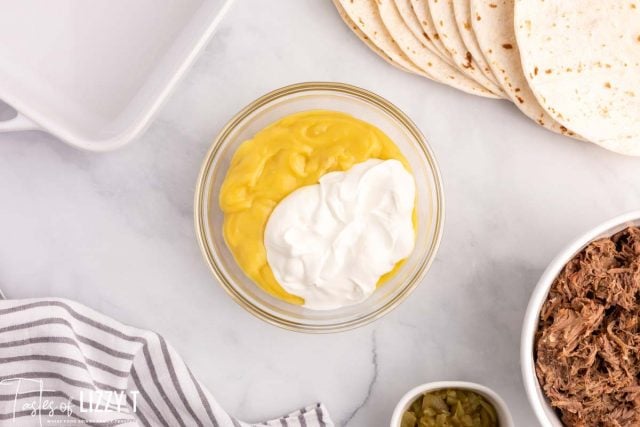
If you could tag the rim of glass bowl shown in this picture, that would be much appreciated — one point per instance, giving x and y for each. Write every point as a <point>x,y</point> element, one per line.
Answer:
<point>201,199</point>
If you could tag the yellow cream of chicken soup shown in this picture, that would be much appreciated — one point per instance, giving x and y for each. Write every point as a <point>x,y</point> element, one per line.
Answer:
<point>295,152</point>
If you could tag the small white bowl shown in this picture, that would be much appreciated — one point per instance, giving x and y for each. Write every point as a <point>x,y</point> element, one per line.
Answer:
<point>504,416</point>
<point>543,410</point>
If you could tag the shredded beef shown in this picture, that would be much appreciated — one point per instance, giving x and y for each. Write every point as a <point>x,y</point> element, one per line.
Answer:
<point>588,341</point>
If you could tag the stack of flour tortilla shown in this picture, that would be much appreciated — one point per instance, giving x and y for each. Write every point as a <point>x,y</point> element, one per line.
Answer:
<point>572,66</point>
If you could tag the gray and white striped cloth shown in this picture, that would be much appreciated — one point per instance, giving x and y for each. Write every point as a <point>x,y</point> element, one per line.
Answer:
<point>62,363</point>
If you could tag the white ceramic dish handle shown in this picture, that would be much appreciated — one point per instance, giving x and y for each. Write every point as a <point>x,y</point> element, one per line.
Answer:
<point>17,124</point>
<point>21,123</point>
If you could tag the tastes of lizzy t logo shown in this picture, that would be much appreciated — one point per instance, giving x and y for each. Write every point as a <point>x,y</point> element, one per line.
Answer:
<point>29,397</point>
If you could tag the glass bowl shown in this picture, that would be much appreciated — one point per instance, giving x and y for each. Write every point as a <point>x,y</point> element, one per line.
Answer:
<point>270,108</point>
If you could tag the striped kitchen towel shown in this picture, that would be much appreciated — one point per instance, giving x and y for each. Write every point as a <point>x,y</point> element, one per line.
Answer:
<point>62,363</point>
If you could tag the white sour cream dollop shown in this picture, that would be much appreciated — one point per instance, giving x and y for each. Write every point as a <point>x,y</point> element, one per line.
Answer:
<point>330,243</point>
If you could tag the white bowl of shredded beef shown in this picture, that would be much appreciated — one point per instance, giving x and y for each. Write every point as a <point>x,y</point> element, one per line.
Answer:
<point>580,349</point>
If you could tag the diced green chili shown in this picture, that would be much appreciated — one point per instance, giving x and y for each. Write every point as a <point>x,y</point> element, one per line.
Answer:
<point>450,408</point>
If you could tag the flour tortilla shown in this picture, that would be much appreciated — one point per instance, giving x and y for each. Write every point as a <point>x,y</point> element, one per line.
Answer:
<point>411,21</point>
<point>371,30</point>
<point>421,9</point>
<point>420,55</point>
<point>491,21</point>
<point>362,36</point>
<point>462,13</point>
<point>581,59</point>
<point>365,16</point>
<point>444,19</point>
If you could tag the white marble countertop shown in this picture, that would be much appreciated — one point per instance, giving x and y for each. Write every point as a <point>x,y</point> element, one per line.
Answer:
<point>115,231</point>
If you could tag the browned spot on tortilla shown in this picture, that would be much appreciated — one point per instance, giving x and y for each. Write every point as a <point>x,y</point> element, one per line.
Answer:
<point>478,17</point>
<point>517,89</point>
<point>563,129</point>
<point>507,46</point>
<point>436,36</point>
<point>426,36</point>
<point>548,71</point>
<point>520,100</point>
<point>467,25</point>
<point>535,71</point>
<point>607,85</point>
<point>469,59</point>
<point>493,5</point>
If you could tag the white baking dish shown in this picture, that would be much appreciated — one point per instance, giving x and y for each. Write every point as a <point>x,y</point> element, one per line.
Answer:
<point>93,73</point>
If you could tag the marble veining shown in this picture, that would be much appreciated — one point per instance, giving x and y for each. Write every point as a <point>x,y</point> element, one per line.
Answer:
<point>372,381</point>
<point>115,231</point>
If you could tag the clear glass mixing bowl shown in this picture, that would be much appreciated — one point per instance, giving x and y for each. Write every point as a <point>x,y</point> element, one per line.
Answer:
<point>272,107</point>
